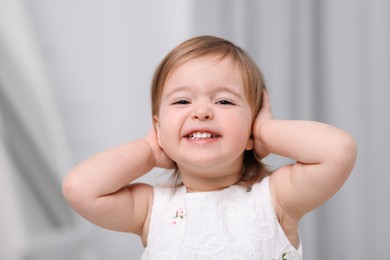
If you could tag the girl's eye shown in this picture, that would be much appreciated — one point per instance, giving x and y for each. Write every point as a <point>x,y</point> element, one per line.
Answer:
<point>181,102</point>
<point>224,102</point>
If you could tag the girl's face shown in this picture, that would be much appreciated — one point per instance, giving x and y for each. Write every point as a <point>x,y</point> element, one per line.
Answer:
<point>205,121</point>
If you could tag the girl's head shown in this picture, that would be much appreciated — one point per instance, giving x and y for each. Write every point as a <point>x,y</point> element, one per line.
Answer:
<point>214,47</point>
<point>203,46</point>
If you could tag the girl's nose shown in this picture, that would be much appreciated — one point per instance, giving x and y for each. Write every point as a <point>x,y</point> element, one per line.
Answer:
<point>202,112</point>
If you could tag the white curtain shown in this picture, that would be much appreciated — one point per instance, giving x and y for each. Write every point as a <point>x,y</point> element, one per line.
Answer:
<point>35,221</point>
<point>327,61</point>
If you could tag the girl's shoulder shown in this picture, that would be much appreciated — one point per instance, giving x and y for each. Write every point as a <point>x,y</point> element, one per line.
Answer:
<point>163,194</point>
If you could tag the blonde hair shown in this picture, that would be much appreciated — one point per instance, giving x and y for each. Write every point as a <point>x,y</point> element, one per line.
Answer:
<point>202,46</point>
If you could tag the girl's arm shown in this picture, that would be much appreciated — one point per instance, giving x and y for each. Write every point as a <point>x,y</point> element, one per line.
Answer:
<point>98,187</point>
<point>325,157</point>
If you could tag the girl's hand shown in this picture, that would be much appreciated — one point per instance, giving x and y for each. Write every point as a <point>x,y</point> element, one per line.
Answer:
<point>263,116</point>
<point>160,158</point>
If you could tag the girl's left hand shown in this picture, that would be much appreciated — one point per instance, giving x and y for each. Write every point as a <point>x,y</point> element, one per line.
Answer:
<point>263,116</point>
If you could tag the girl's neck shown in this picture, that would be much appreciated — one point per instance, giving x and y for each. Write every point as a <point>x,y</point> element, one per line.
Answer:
<point>202,183</point>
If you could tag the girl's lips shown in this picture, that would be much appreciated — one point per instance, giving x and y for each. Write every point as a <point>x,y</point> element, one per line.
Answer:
<point>201,135</point>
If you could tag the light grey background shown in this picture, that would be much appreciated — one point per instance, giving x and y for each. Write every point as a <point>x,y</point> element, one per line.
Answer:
<point>74,80</point>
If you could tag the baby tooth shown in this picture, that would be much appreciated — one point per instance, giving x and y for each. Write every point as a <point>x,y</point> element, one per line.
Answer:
<point>200,135</point>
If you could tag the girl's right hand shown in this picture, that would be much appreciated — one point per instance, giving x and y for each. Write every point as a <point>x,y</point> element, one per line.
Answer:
<point>161,159</point>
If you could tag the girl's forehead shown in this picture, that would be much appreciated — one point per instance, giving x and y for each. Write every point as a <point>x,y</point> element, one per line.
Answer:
<point>221,66</point>
<point>208,72</point>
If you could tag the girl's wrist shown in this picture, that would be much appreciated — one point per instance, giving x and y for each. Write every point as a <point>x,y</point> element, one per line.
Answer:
<point>260,147</point>
<point>151,156</point>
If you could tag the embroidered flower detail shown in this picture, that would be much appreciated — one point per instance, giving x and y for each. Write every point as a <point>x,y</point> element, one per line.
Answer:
<point>284,257</point>
<point>179,215</point>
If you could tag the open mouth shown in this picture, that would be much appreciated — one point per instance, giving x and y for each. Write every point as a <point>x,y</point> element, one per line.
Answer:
<point>201,135</point>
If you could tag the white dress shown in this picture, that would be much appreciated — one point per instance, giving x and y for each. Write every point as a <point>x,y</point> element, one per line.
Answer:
<point>234,223</point>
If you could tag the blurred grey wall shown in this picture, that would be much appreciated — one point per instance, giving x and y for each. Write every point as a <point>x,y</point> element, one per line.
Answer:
<point>74,80</point>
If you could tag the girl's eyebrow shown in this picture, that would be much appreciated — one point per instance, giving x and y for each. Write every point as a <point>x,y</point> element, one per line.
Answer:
<point>177,89</point>
<point>217,89</point>
<point>230,90</point>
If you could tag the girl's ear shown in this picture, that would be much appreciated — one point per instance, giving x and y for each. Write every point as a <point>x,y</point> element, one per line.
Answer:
<point>249,145</point>
<point>156,125</point>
